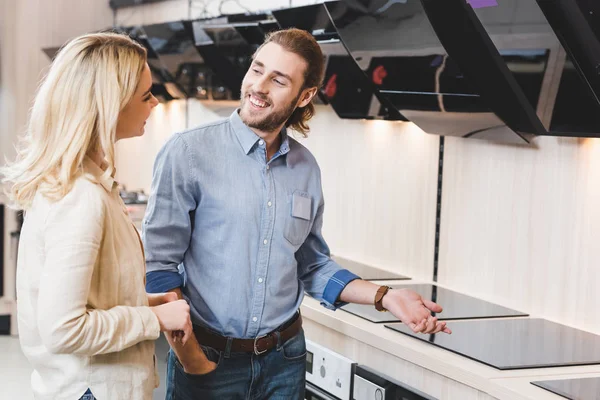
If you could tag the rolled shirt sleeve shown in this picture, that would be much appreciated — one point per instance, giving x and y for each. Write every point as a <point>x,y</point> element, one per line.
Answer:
<point>322,277</point>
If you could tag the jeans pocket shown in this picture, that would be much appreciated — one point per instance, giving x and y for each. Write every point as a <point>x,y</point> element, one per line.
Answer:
<point>295,348</point>
<point>211,354</point>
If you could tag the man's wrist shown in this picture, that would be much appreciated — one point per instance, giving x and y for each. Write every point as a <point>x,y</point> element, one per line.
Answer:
<point>196,363</point>
<point>387,298</point>
<point>380,297</point>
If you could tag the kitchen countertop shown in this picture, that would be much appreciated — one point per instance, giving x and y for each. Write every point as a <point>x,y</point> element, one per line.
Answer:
<point>505,385</point>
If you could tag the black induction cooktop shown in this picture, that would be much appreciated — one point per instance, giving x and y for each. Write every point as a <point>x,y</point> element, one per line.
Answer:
<point>573,389</point>
<point>456,306</point>
<point>515,343</point>
<point>366,272</point>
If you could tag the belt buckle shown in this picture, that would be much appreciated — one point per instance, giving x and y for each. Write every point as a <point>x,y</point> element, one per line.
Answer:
<point>256,339</point>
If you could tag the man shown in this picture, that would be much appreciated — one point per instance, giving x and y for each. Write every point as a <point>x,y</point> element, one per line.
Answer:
<point>239,205</point>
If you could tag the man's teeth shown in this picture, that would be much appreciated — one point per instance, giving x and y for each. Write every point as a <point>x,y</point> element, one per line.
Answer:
<point>257,102</point>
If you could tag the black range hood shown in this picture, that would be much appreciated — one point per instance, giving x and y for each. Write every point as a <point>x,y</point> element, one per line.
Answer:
<point>568,31</point>
<point>159,90</point>
<point>576,110</point>
<point>435,63</point>
<point>162,87</point>
<point>345,87</point>
<point>175,60</point>
<point>577,25</point>
<point>202,59</point>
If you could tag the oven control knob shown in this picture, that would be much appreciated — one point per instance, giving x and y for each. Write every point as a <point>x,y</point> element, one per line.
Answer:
<point>378,394</point>
<point>323,371</point>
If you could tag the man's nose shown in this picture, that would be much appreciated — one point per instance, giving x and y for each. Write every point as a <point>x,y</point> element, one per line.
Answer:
<point>261,85</point>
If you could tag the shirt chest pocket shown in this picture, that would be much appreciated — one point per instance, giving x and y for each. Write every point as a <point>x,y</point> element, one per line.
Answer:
<point>298,218</point>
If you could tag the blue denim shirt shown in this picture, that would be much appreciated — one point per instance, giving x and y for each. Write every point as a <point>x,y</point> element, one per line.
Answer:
<point>246,232</point>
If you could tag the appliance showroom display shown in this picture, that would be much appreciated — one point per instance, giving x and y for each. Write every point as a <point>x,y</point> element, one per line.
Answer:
<point>515,343</point>
<point>573,389</point>
<point>456,306</point>
<point>331,376</point>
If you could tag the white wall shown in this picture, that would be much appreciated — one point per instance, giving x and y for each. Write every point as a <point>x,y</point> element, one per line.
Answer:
<point>521,225</point>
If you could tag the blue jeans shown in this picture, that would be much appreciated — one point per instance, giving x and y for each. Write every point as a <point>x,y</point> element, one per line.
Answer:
<point>88,395</point>
<point>279,374</point>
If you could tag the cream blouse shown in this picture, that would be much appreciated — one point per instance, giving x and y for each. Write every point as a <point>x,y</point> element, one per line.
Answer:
<point>84,320</point>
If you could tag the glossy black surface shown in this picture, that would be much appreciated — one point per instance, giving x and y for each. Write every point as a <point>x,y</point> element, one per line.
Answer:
<point>456,306</point>
<point>457,86</point>
<point>575,23</point>
<point>575,109</point>
<point>402,27</point>
<point>515,343</point>
<point>346,88</point>
<point>367,272</point>
<point>176,59</point>
<point>254,32</point>
<point>573,389</point>
<point>159,74</point>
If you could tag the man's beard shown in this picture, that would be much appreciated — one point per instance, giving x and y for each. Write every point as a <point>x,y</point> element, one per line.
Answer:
<point>273,120</point>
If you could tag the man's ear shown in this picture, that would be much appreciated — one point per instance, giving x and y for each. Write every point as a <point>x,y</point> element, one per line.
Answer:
<point>307,95</point>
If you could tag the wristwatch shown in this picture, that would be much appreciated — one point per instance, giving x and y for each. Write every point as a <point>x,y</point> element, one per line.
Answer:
<point>379,298</point>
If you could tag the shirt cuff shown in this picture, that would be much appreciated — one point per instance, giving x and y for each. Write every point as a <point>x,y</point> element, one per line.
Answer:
<point>162,281</point>
<point>334,288</point>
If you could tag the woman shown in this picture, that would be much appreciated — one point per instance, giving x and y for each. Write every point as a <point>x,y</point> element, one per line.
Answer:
<point>86,323</point>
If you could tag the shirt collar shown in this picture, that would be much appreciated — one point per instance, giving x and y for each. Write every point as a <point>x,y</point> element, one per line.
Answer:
<point>248,138</point>
<point>101,176</point>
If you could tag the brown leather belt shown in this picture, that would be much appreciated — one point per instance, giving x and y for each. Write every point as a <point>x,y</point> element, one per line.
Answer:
<point>258,345</point>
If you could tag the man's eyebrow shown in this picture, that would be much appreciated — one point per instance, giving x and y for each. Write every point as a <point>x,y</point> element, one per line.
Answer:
<point>279,73</point>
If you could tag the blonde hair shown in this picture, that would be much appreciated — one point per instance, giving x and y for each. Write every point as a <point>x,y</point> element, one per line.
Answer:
<point>75,112</point>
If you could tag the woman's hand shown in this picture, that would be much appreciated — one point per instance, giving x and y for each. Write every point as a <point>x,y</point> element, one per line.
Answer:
<point>174,316</point>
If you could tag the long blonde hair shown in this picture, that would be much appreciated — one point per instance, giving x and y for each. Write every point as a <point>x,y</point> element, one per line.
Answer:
<point>75,112</point>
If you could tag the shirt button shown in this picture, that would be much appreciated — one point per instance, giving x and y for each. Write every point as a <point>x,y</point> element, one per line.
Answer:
<point>265,241</point>
<point>261,142</point>
<point>260,280</point>
<point>254,319</point>
<point>269,204</point>
<point>268,167</point>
